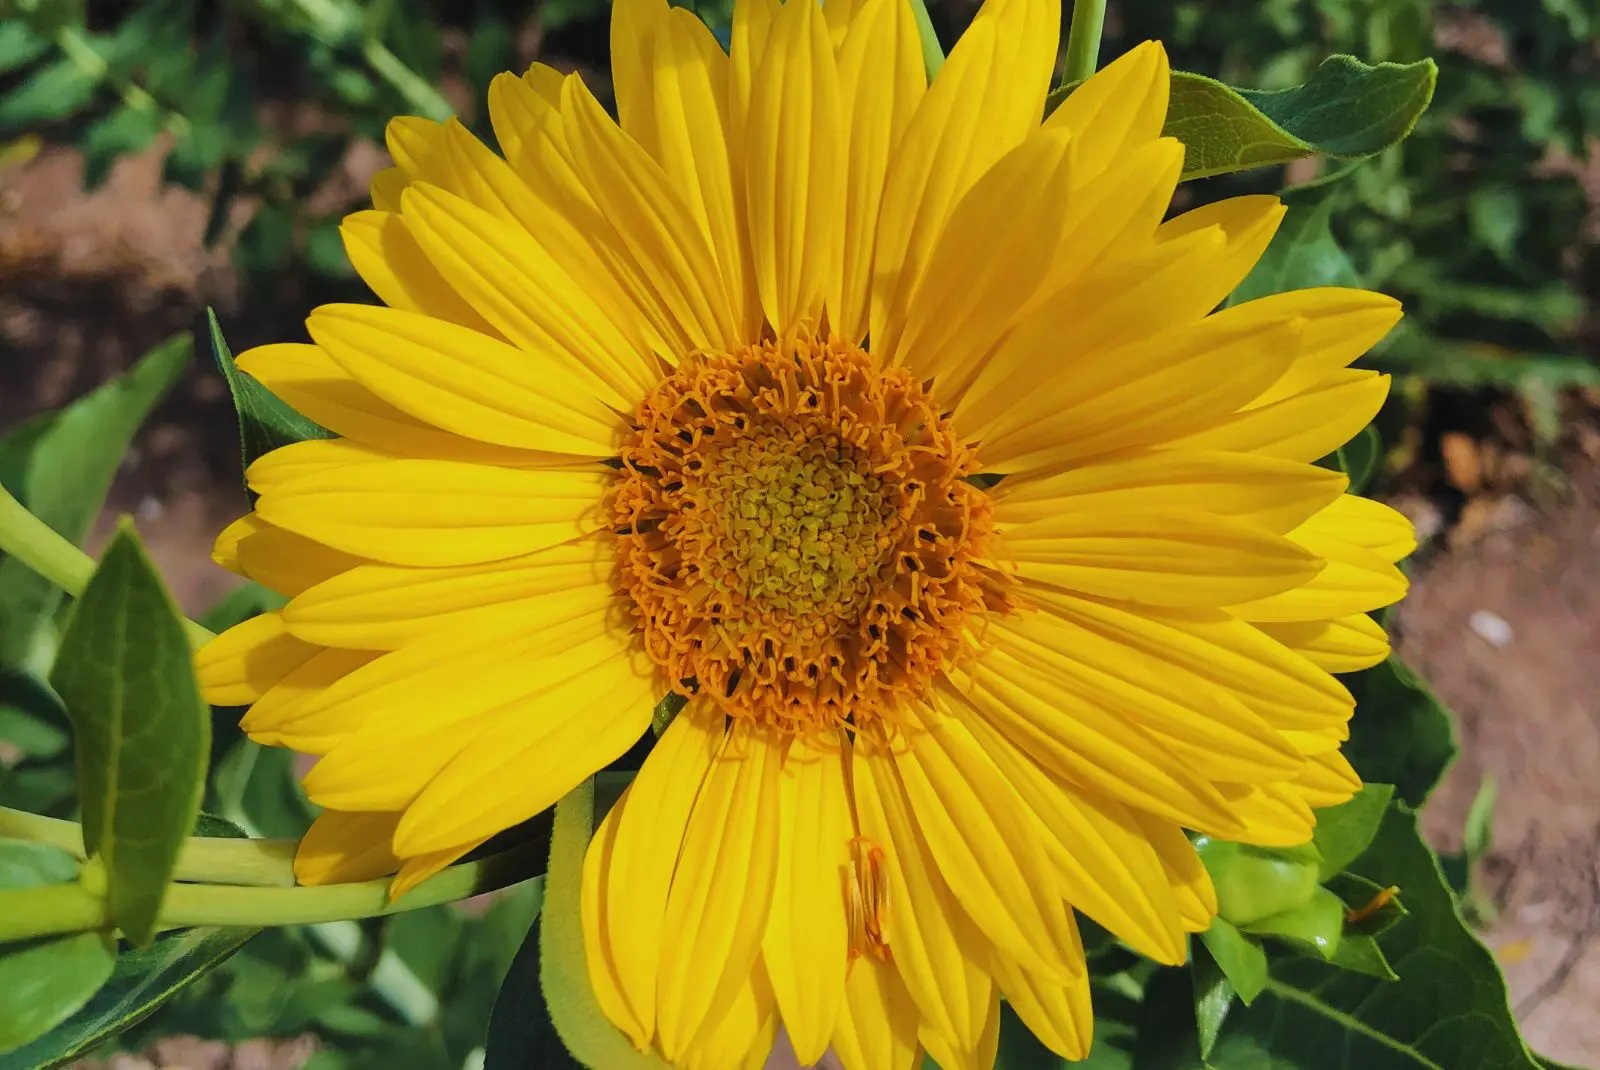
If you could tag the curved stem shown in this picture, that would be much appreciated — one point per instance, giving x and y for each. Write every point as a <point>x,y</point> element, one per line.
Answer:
<point>1083,40</point>
<point>210,859</point>
<point>64,908</point>
<point>43,549</point>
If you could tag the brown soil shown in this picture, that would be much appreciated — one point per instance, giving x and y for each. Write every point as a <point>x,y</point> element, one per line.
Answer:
<point>89,281</point>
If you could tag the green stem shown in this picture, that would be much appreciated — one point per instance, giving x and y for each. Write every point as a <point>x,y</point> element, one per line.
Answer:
<point>43,549</point>
<point>1083,40</point>
<point>208,859</point>
<point>28,912</point>
<point>48,910</point>
<point>417,93</point>
<point>932,51</point>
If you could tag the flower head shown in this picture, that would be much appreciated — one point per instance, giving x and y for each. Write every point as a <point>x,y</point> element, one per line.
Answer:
<point>894,428</point>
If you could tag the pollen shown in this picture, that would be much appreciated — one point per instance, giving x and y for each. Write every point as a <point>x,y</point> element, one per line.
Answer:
<point>800,537</point>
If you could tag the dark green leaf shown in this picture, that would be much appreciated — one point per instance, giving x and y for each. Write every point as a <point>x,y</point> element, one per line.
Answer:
<point>1213,995</point>
<point>1168,1032</point>
<point>47,979</point>
<point>265,422</point>
<point>1400,734</point>
<point>255,788</point>
<point>520,1031</point>
<point>1447,1010</point>
<point>1240,958</point>
<point>51,92</point>
<point>144,979</point>
<point>1303,253</point>
<point>1346,108</point>
<point>19,44</point>
<point>1375,908</point>
<point>143,733</point>
<point>60,466</point>
<point>1359,457</point>
<point>1344,831</point>
<point>32,719</point>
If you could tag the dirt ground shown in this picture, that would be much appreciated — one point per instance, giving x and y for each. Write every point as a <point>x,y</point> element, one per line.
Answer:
<point>1504,623</point>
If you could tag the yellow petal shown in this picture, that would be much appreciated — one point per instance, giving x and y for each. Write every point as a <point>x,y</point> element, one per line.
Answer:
<point>1104,866</point>
<point>806,943</point>
<point>418,512</point>
<point>315,385</point>
<point>517,285</point>
<point>793,178</point>
<point>225,548</point>
<point>1362,522</point>
<point>881,82</point>
<point>1271,493</point>
<point>690,97</point>
<point>984,841</point>
<point>1249,223</point>
<point>313,456</point>
<point>343,847</point>
<point>1345,644</point>
<point>987,97</point>
<point>1188,878</point>
<point>1160,385</point>
<point>388,259</point>
<point>1057,1013</point>
<point>384,607</point>
<point>1077,742</point>
<point>744,1038</point>
<point>721,892</point>
<point>933,944</point>
<point>668,254</point>
<point>626,880</point>
<point>1158,558</point>
<point>1354,580</point>
<point>418,868</point>
<point>469,383</point>
<point>1304,427</point>
<point>288,563</point>
<point>947,1050</point>
<point>1279,685</point>
<point>385,188</point>
<point>997,246</point>
<point>877,1027</point>
<point>1342,325</point>
<point>285,701</point>
<point>634,27</point>
<point>1118,109</point>
<point>531,753</point>
<point>244,662</point>
<point>1201,723</point>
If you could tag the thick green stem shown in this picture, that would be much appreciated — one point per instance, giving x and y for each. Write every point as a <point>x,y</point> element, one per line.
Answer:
<point>40,547</point>
<point>48,910</point>
<point>1083,40</point>
<point>29,912</point>
<point>209,859</point>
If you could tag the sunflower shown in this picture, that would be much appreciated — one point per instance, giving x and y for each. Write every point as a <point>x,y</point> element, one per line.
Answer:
<point>892,426</point>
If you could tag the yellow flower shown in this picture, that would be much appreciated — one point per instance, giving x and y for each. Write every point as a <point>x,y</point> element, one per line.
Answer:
<point>893,427</point>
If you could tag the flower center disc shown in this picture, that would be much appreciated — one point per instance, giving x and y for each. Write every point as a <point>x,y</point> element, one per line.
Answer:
<point>797,535</point>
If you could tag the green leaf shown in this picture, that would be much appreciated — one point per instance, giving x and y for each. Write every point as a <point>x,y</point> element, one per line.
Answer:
<point>144,979</point>
<point>32,719</point>
<point>19,44</point>
<point>1346,109</point>
<point>520,1031</point>
<point>265,422</point>
<point>1344,831</point>
<point>47,979</point>
<point>1168,1029</point>
<point>60,467</point>
<point>1302,254</point>
<point>1213,996</point>
<point>51,92</point>
<point>1447,1010</point>
<point>1359,457</point>
<point>1378,907</point>
<point>143,733</point>
<point>1360,952</point>
<point>1400,734</point>
<point>1241,959</point>
<point>255,788</point>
